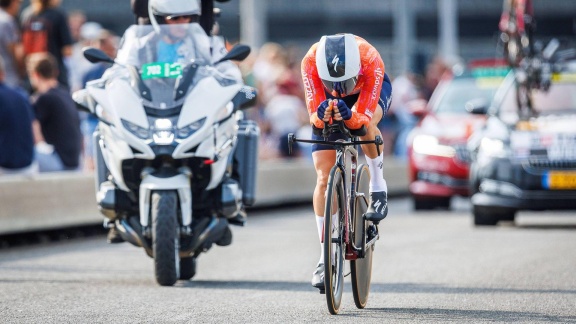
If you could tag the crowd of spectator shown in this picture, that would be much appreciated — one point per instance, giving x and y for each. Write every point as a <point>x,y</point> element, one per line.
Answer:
<point>41,65</point>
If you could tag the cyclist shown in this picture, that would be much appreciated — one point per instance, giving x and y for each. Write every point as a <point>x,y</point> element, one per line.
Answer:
<point>344,79</point>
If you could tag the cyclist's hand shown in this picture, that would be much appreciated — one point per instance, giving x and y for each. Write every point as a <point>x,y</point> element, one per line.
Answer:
<point>341,110</point>
<point>324,110</point>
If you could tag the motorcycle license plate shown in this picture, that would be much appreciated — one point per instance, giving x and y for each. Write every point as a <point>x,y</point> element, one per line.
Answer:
<point>559,180</point>
<point>161,70</point>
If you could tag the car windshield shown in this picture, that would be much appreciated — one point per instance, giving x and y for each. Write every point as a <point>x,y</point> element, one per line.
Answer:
<point>162,57</point>
<point>461,90</point>
<point>559,99</point>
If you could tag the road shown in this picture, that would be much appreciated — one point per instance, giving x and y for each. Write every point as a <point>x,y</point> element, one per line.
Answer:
<point>428,267</point>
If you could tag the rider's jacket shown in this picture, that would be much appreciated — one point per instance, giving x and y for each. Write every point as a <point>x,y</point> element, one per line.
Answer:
<point>368,87</point>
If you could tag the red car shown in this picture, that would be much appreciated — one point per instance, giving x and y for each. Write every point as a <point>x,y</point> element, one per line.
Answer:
<point>438,158</point>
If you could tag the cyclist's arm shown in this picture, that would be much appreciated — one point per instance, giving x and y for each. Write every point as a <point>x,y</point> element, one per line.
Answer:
<point>373,74</point>
<point>313,88</point>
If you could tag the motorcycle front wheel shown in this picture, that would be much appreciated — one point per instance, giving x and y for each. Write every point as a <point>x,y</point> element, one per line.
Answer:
<point>165,237</point>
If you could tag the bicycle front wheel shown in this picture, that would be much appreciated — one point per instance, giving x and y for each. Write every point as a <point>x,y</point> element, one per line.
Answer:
<point>334,246</point>
<point>361,268</point>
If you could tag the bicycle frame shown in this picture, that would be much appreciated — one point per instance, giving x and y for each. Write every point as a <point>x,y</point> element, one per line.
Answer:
<point>345,149</point>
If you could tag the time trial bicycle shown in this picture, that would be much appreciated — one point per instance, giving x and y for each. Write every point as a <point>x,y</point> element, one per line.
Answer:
<point>348,236</point>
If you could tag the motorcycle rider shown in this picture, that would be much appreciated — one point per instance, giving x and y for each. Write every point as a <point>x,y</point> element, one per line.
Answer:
<point>172,46</point>
<point>344,79</point>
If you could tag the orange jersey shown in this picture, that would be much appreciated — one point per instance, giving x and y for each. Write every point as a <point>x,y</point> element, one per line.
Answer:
<point>369,85</point>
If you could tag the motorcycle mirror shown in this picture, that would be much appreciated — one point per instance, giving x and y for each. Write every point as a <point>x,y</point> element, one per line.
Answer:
<point>238,53</point>
<point>550,49</point>
<point>95,55</point>
<point>478,106</point>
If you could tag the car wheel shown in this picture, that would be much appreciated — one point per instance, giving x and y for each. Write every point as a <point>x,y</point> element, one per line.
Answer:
<point>431,203</point>
<point>490,216</point>
<point>484,216</point>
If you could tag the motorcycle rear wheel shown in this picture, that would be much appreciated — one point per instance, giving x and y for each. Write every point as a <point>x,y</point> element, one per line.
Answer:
<point>165,237</point>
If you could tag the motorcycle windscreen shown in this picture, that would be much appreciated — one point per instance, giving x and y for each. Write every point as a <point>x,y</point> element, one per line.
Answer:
<point>164,59</point>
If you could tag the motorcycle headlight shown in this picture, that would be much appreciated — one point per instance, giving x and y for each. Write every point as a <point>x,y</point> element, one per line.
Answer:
<point>190,129</point>
<point>163,133</point>
<point>429,145</point>
<point>492,147</point>
<point>140,132</point>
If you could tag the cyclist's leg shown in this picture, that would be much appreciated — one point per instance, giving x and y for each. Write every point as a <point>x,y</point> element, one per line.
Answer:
<point>378,208</point>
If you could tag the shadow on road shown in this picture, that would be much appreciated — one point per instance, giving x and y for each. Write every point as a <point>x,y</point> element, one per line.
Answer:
<point>403,288</point>
<point>398,288</point>
<point>547,226</point>
<point>458,315</point>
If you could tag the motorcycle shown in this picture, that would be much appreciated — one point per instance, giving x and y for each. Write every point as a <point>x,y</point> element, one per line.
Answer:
<point>175,158</point>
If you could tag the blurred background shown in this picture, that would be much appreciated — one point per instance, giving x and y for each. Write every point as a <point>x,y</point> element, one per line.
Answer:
<point>420,41</point>
<point>407,33</point>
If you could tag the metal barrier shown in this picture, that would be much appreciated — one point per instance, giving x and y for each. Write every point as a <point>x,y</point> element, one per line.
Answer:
<point>66,199</point>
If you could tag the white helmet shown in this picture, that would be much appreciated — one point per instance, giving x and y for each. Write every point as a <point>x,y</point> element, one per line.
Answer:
<point>161,10</point>
<point>338,63</point>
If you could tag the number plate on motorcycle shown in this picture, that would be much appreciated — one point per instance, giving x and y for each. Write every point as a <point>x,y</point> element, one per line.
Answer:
<point>161,70</point>
<point>559,180</point>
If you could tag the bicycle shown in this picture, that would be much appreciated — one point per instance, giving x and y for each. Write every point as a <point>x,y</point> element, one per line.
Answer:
<point>347,196</point>
<point>532,64</point>
<point>517,26</point>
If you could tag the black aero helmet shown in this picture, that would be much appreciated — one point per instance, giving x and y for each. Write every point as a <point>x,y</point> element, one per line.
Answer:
<point>338,63</point>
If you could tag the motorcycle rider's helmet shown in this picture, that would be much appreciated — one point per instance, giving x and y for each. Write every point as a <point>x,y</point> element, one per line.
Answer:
<point>161,11</point>
<point>338,63</point>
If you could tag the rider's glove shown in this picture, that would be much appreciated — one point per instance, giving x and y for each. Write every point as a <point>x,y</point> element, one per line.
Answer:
<point>322,109</point>
<point>345,112</point>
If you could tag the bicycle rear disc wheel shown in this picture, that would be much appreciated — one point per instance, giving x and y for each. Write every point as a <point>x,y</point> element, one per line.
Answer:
<point>334,240</point>
<point>361,269</point>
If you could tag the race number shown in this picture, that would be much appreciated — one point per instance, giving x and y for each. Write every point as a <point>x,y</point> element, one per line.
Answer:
<point>161,70</point>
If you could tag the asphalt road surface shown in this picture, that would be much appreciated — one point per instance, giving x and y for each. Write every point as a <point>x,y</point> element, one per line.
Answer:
<point>428,267</point>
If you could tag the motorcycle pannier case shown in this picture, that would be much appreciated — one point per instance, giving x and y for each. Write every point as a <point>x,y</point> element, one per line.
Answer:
<point>246,156</point>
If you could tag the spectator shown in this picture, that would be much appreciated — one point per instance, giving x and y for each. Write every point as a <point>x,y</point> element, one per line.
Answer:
<point>57,129</point>
<point>83,34</point>
<point>76,19</point>
<point>434,73</point>
<point>10,45</point>
<point>45,29</point>
<point>406,90</point>
<point>108,43</point>
<point>285,113</point>
<point>269,66</point>
<point>16,140</point>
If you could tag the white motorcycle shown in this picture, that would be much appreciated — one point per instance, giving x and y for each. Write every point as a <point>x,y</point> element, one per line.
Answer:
<point>175,160</point>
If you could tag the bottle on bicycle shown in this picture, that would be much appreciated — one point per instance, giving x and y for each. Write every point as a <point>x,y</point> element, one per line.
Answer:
<point>344,80</point>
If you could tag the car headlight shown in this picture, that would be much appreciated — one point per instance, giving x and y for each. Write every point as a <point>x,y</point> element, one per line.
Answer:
<point>140,132</point>
<point>429,145</point>
<point>492,147</point>
<point>190,129</point>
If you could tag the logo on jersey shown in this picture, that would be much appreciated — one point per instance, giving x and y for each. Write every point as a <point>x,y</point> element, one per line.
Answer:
<point>307,87</point>
<point>379,76</point>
